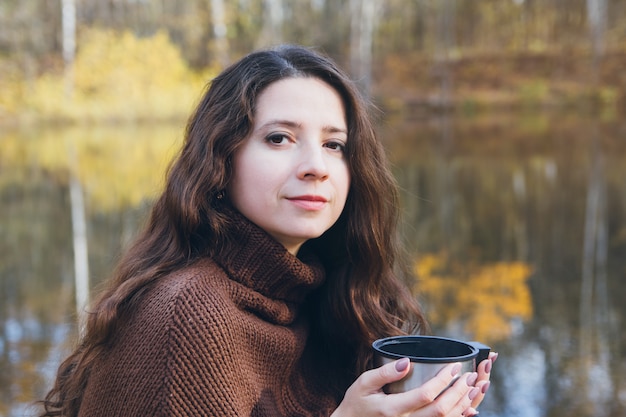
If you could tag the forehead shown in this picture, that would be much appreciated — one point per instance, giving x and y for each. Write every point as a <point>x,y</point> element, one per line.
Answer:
<point>301,97</point>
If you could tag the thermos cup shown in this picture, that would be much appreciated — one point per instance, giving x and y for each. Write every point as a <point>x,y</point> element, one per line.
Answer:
<point>428,355</point>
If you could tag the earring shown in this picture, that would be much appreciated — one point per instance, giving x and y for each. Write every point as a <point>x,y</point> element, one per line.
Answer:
<point>220,195</point>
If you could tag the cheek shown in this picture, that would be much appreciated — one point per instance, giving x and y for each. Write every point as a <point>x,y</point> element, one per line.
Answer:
<point>251,184</point>
<point>343,182</point>
<point>238,187</point>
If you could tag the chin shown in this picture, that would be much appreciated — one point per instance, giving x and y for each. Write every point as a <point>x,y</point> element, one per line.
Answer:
<point>303,237</point>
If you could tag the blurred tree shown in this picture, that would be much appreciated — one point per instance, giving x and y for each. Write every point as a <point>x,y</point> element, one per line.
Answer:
<point>34,26</point>
<point>359,34</point>
<point>363,24</point>
<point>69,43</point>
<point>218,19</point>
<point>115,79</point>
<point>273,18</point>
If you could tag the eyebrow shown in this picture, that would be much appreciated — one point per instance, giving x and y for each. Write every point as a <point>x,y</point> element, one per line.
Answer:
<point>292,124</point>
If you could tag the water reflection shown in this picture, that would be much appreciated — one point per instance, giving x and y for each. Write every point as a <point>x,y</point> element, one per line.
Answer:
<point>507,195</point>
<point>118,169</point>
<point>517,229</point>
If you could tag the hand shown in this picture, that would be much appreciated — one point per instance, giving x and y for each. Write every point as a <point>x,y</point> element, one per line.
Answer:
<point>365,397</point>
<point>482,383</point>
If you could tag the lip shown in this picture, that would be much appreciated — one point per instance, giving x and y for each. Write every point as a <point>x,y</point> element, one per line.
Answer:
<point>309,202</point>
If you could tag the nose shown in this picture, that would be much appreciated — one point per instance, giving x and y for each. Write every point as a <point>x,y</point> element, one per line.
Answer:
<point>313,164</point>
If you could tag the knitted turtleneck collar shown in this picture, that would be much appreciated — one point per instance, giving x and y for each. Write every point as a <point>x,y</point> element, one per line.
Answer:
<point>262,264</point>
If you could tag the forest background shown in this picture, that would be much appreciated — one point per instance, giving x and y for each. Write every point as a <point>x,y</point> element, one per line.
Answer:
<point>503,119</point>
<point>85,61</point>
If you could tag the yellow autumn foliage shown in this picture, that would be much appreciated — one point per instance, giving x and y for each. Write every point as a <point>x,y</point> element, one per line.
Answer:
<point>119,77</point>
<point>12,87</point>
<point>485,298</point>
<point>116,77</point>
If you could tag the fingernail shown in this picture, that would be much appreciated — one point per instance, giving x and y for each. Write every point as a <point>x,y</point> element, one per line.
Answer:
<point>471,378</point>
<point>455,369</point>
<point>495,356</point>
<point>402,364</point>
<point>485,387</point>
<point>488,366</point>
<point>473,393</point>
<point>470,412</point>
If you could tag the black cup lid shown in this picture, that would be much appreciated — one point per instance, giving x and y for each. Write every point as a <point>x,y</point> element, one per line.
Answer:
<point>429,349</point>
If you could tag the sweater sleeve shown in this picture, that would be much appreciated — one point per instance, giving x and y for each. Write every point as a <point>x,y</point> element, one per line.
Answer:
<point>175,357</point>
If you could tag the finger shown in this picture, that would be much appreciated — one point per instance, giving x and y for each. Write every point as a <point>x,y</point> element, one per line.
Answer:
<point>470,412</point>
<point>454,401</point>
<point>484,374</point>
<point>426,393</point>
<point>375,379</point>
<point>366,397</point>
<point>482,387</point>
<point>487,363</point>
<point>484,369</point>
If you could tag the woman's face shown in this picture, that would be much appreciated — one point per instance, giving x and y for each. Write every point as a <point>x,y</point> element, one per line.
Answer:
<point>291,177</point>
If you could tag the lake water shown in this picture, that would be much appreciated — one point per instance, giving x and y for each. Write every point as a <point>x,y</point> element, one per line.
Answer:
<point>514,225</point>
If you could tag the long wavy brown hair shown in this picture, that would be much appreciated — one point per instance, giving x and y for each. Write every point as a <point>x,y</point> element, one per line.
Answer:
<point>363,297</point>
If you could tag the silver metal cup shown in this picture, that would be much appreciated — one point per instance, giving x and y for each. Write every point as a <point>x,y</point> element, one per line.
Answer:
<point>428,355</point>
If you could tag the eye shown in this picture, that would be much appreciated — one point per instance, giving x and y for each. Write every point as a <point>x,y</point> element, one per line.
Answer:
<point>335,146</point>
<point>277,138</point>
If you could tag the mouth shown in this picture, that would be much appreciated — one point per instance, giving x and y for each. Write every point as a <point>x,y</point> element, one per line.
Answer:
<point>309,198</point>
<point>309,202</point>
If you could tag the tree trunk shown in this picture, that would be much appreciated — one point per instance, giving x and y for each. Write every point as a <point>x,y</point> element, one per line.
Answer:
<point>365,15</point>
<point>597,12</point>
<point>79,235</point>
<point>444,44</point>
<point>273,22</point>
<point>69,43</point>
<point>218,18</point>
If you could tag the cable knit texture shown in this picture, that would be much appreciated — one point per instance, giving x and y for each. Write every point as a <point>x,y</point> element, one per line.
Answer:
<point>222,337</point>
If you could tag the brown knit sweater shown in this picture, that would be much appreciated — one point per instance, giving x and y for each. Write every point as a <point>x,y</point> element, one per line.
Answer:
<point>224,337</point>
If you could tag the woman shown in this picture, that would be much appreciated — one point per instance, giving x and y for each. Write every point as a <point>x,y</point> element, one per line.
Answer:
<point>266,269</point>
